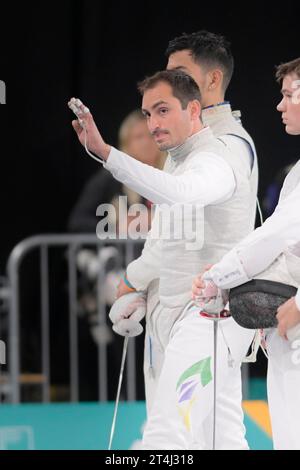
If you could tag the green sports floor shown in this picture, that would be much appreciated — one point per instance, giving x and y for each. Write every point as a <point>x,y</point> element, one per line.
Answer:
<point>87,425</point>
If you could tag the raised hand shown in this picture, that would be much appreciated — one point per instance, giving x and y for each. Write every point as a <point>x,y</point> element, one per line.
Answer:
<point>86,129</point>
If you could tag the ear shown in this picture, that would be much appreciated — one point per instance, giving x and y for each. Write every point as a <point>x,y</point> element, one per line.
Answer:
<point>215,79</point>
<point>195,109</point>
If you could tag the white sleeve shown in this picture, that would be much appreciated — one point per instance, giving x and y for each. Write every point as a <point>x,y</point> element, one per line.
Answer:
<point>209,181</point>
<point>297,299</point>
<point>259,249</point>
<point>144,269</point>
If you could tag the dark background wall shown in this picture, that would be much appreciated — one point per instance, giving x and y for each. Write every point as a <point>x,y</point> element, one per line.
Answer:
<point>50,51</point>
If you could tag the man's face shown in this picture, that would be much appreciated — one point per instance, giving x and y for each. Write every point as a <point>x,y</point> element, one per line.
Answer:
<point>169,124</point>
<point>290,104</point>
<point>183,60</point>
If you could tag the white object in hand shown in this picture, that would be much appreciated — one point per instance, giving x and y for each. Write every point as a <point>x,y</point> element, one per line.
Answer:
<point>78,108</point>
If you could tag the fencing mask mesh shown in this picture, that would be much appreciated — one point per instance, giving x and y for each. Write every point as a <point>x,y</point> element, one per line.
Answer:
<point>254,304</point>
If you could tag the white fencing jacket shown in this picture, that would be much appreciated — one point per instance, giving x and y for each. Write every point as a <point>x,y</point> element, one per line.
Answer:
<point>272,251</point>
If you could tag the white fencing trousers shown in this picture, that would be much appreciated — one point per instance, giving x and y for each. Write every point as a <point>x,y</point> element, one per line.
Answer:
<point>180,394</point>
<point>284,390</point>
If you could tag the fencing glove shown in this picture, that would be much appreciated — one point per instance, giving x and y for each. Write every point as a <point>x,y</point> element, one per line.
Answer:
<point>212,299</point>
<point>127,312</point>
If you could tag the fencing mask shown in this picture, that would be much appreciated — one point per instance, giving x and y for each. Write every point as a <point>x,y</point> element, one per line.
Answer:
<point>254,304</point>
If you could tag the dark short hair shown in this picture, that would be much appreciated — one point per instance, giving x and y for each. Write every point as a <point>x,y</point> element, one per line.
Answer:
<point>184,87</point>
<point>207,49</point>
<point>283,70</point>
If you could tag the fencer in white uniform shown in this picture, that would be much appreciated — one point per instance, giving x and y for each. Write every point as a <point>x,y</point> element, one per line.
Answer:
<point>143,275</point>
<point>272,252</point>
<point>189,52</point>
<point>200,171</point>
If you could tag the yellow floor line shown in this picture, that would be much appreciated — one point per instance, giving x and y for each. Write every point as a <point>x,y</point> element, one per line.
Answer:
<point>258,411</point>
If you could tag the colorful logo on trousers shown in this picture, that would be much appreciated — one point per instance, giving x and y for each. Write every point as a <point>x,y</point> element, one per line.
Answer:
<point>198,373</point>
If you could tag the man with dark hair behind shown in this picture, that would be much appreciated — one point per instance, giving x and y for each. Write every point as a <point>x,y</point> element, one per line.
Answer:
<point>272,253</point>
<point>203,52</point>
<point>202,175</point>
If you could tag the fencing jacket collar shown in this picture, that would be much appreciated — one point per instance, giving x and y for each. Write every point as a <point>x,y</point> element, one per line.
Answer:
<point>183,150</point>
<point>213,113</point>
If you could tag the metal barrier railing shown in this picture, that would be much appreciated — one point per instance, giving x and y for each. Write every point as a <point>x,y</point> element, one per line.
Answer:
<point>12,298</point>
<point>73,244</point>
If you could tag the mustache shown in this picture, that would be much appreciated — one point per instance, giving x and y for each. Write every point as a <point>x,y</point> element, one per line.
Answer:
<point>159,131</point>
